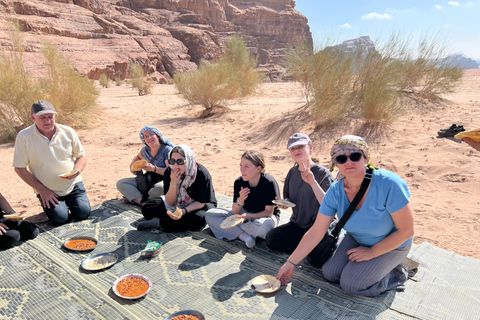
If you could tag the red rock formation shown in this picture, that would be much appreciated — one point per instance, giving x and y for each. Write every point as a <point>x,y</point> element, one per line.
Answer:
<point>167,37</point>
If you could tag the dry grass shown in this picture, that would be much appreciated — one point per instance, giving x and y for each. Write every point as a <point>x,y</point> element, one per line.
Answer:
<point>233,76</point>
<point>371,84</point>
<point>139,82</point>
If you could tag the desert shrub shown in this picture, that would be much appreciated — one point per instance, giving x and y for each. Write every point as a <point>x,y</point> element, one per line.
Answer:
<point>233,76</point>
<point>104,81</point>
<point>118,81</point>
<point>371,84</point>
<point>138,80</point>
<point>298,62</point>
<point>17,88</point>
<point>75,96</point>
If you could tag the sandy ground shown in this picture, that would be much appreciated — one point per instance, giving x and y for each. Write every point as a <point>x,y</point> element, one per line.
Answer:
<point>443,174</point>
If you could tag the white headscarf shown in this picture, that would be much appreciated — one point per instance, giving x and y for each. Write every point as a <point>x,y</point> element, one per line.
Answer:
<point>187,179</point>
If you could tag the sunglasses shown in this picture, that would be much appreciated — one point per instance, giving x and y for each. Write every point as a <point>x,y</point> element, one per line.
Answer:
<point>180,162</point>
<point>355,156</point>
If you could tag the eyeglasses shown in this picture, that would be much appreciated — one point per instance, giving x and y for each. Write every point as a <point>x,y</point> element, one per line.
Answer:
<point>146,137</point>
<point>172,161</point>
<point>355,156</point>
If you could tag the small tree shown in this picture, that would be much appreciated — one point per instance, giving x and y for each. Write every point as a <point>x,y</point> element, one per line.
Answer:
<point>104,81</point>
<point>233,76</point>
<point>18,89</point>
<point>138,79</point>
<point>74,95</point>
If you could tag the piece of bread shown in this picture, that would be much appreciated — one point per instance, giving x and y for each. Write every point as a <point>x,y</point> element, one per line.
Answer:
<point>176,213</point>
<point>137,165</point>
<point>472,134</point>
<point>69,174</point>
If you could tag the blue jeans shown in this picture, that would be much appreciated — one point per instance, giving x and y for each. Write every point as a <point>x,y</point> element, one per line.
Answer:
<point>77,202</point>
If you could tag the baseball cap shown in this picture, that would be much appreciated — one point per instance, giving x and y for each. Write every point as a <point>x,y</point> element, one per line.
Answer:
<point>41,107</point>
<point>298,139</point>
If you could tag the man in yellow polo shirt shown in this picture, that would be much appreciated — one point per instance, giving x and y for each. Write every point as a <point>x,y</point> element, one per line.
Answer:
<point>44,152</point>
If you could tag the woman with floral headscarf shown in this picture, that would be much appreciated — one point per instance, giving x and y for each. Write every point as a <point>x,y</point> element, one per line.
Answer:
<point>155,152</point>
<point>378,234</point>
<point>188,188</point>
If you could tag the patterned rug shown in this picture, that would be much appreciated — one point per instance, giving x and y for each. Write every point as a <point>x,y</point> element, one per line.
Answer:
<point>41,280</point>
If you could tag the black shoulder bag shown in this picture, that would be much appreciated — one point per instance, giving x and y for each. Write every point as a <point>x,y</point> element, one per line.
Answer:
<point>146,180</point>
<point>325,249</point>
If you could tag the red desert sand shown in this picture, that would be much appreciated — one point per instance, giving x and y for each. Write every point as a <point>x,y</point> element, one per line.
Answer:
<point>443,174</point>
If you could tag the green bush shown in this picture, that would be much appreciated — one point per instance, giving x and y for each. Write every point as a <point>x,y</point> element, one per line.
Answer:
<point>118,81</point>
<point>233,76</point>
<point>73,95</point>
<point>371,84</point>
<point>18,90</point>
<point>104,81</point>
<point>139,82</point>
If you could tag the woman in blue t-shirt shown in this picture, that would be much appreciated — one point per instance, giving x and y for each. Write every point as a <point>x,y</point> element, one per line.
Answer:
<point>378,234</point>
<point>253,193</point>
<point>155,152</point>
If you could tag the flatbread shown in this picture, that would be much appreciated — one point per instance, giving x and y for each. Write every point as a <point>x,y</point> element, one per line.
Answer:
<point>14,216</point>
<point>177,213</point>
<point>285,203</point>
<point>137,165</point>
<point>69,174</point>
<point>472,134</point>
<point>266,284</point>
<point>231,222</point>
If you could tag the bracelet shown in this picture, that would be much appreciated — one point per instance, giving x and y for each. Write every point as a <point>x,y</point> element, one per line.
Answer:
<point>155,170</point>
<point>251,216</point>
<point>240,204</point>
<point>185,211</point>
<point>291,262</point>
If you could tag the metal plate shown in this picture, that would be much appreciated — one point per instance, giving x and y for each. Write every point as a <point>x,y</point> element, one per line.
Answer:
<point>99,261</point>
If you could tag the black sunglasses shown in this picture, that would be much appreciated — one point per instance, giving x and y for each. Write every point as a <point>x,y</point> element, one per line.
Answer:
<point>180,162</point>
<point>355,156</point>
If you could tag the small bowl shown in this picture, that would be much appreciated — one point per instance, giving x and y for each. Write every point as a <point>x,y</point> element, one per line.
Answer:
<point>195,313</point>
<point>80,238</point>
<point>131,275</point>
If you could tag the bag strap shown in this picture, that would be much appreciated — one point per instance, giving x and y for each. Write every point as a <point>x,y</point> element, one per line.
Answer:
<point>354,203</point>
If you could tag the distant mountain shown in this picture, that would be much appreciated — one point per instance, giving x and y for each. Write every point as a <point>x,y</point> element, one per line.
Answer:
<point>364,43</point>
<point>462,61</point>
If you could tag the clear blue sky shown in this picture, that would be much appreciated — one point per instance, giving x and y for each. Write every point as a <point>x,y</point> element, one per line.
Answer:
<point>457,21</point>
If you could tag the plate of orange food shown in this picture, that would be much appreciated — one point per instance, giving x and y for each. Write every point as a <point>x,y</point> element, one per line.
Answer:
<point>186,315</point>
<point>81,243</point>
<point>132,286</point>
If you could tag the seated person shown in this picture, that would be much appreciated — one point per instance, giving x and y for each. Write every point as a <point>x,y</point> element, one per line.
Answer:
<point>11,232</point>
<point>50,158</point>
<point>305,186</point>
<point>188,187</point>
<point>379,233</point>
<point>253,193</point>
<point>155,152</point>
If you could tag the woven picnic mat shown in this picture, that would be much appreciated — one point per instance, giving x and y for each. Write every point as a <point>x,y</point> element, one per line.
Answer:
<point>41,280</point>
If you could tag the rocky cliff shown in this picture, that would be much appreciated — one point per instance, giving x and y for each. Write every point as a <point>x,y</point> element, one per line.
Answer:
<point>166,36</point>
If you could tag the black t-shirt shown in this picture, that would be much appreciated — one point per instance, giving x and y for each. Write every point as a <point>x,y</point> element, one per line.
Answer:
<point>201,189</point>
<point>259,196</point>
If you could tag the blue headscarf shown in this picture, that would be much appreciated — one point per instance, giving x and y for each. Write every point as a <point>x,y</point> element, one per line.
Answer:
<point>158,133</point>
